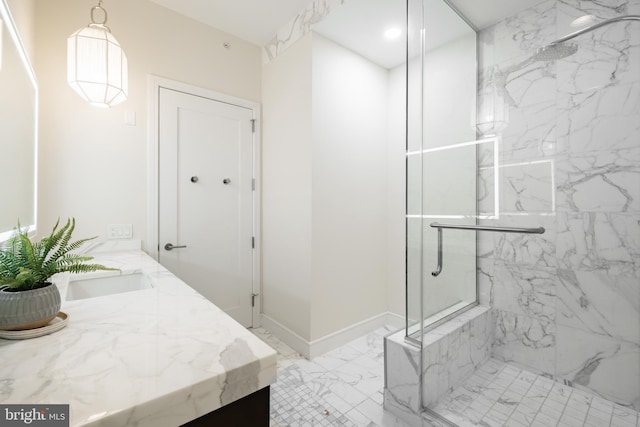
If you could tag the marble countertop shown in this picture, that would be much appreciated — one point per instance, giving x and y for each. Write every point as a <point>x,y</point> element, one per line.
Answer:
<point>155,357</point>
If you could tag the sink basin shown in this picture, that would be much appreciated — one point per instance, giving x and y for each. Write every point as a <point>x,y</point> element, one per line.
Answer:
<point>81,288</point>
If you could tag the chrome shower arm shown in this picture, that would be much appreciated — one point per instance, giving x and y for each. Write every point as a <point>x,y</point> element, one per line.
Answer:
<point>596,26</point>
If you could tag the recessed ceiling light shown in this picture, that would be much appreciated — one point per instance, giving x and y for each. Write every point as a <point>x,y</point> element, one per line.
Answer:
<point>392,33</point>
<point>583,20</point>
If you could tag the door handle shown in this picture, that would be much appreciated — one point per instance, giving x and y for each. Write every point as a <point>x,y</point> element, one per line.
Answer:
<point>169,246</point>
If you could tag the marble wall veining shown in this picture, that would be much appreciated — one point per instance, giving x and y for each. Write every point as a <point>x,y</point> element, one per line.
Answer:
<point>297,27</point>
<point>566,303</point>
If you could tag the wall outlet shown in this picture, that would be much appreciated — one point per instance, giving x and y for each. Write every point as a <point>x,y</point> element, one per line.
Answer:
<point>119,231</point>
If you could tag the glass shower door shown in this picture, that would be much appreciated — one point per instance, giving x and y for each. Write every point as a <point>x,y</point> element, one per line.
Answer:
<point>441,162</point>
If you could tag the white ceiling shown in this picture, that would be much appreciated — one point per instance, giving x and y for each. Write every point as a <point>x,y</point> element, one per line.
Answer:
<point>358,24</point>
<point>253,20</point>
<point>367,20</point>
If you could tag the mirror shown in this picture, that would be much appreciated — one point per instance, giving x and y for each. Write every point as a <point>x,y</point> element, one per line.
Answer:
<point>18,130</point>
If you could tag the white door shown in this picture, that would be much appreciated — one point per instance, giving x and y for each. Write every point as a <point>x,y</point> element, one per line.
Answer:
<point>206,198</point>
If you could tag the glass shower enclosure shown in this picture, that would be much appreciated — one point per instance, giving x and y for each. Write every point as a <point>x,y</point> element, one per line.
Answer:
<point>510,129</point>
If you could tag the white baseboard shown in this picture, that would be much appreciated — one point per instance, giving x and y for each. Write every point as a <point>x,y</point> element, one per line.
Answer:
<point>286,335</point>
<point>311,349</point>
<point>350,333</point>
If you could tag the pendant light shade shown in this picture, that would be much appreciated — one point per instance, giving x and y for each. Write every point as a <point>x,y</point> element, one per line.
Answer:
<point>96,64</point>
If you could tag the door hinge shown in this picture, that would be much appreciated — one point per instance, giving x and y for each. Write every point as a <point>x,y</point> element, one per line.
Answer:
<point>253,242</point>
<point>253,125</point>
<point>253,299</point>
<point>253,184</point>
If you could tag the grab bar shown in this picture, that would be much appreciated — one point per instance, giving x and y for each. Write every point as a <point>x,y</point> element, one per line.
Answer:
<point>436,273</point>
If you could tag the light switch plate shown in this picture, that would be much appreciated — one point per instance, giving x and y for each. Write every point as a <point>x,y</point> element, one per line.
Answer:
<point>119,231</point>
<point>129,118</point>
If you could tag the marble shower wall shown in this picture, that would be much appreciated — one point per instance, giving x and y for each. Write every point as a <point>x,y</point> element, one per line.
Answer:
<point>567,303</point>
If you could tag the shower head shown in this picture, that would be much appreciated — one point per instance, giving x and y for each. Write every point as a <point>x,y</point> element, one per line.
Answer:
<point>555,51</point>
<point>560,49</point>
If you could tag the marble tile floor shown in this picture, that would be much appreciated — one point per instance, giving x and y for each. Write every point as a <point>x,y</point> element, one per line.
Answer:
<point>343,387</point>
<point>500,394</point>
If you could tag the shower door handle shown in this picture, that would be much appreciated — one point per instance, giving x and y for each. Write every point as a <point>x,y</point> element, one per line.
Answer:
<point>438,270</point>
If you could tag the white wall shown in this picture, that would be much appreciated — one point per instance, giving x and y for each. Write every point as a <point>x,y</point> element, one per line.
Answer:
<point>349,184</point>
<point>24,15</point>
<point>396,190</point>
<point>286,188</point>
<point>327,242</point>
<point>92,166</point>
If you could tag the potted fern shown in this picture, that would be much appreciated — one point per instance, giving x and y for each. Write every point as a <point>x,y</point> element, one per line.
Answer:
<point>27,298</point>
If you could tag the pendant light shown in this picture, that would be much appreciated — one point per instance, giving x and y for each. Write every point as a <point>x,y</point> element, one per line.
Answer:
<point>96,65</point>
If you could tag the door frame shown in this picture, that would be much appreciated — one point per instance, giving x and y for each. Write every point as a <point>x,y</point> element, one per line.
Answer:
<point>155,83</point>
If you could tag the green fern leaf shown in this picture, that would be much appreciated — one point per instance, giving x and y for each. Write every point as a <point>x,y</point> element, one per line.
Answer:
<point>27,265</point>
